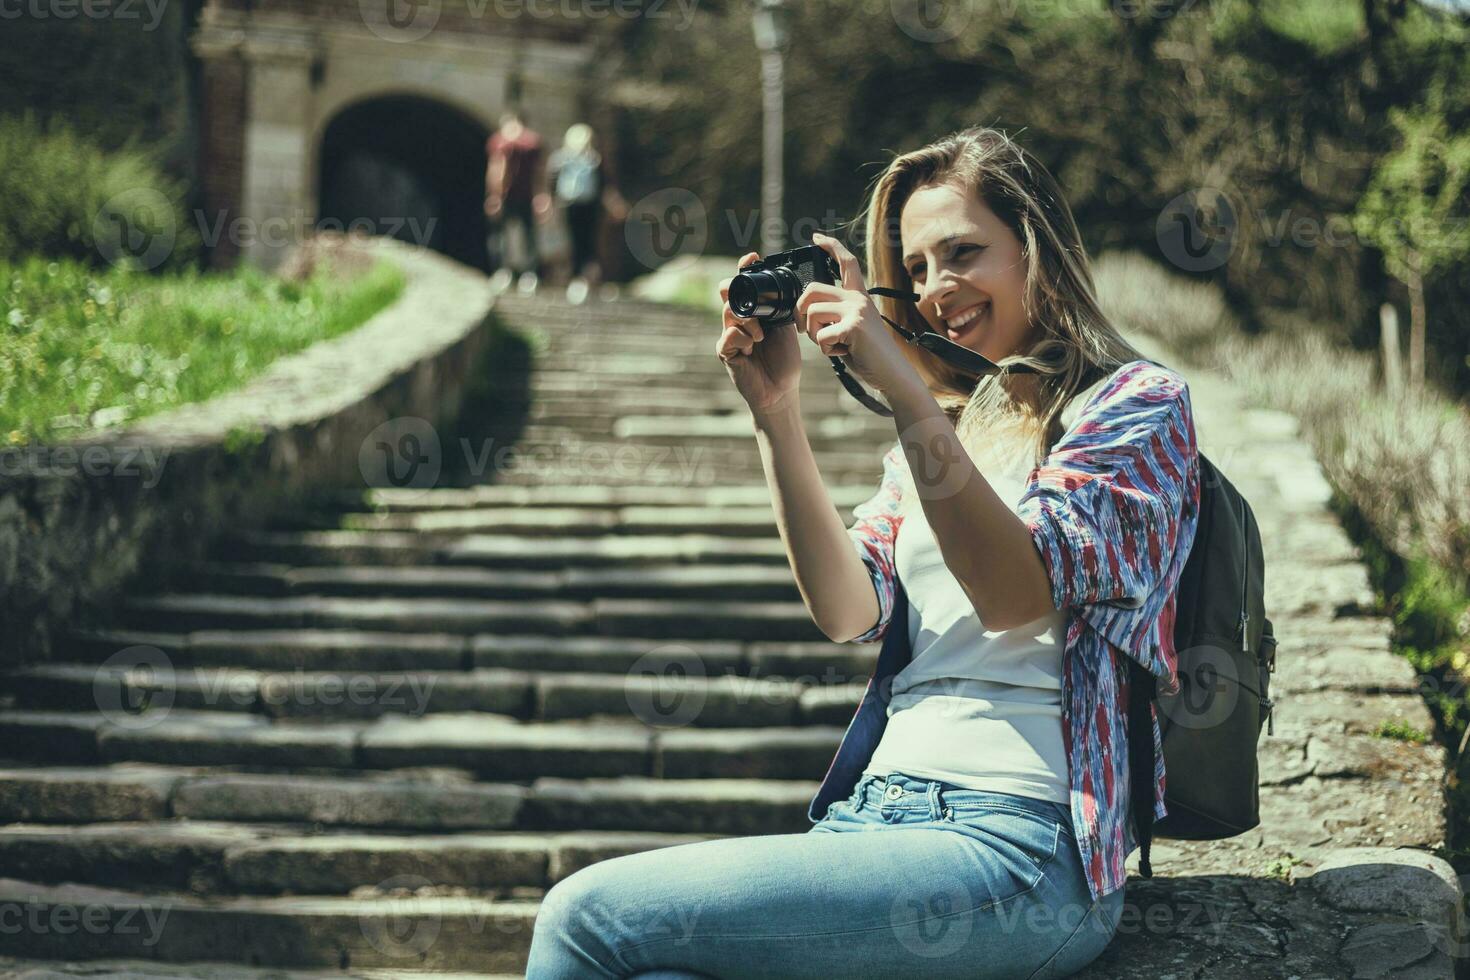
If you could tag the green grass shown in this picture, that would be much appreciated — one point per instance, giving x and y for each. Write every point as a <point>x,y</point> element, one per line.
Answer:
<point>1401,731</point>
<point>80,347</point>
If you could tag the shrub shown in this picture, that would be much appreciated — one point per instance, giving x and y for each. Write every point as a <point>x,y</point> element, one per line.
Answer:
<point>59,192</point>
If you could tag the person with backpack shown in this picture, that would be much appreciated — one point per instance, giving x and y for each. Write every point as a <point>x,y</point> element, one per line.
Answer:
<point>579,177</point>
<point>1019,564</point>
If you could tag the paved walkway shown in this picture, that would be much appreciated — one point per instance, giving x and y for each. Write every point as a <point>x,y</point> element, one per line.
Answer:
<point>368,739</point>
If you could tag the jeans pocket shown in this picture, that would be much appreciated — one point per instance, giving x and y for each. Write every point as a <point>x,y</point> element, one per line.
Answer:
<point>1037,836</point>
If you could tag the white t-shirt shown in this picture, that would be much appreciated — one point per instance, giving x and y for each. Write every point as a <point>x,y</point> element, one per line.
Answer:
<point>978,708</point>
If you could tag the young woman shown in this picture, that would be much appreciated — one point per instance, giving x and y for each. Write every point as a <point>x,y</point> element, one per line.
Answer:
<point>1028,532</point>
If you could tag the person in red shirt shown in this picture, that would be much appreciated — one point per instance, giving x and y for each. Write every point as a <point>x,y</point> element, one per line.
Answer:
<point>515,191</point>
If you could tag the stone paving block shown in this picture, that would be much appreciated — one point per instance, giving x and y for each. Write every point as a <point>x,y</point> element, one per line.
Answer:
<point>325,649</point>
<point>707,806</point>
<point>604,654</point>
<point>702,619</point>
<point>226,738</point>
<point>766,753</point>
<point>669,700</point>
<point>392,799</point>
<point>335,864</point>
<point>505,749</point>
<point>82,794</point>
<point>306,931</point>
<point>54,736</point>
<point>368,695</point>
<point>430,580</point>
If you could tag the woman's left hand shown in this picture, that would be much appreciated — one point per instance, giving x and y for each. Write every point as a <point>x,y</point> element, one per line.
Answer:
<point>843,320</point>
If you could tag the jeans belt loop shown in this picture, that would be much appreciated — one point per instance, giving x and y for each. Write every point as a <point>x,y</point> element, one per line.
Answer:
<point>936,803</point>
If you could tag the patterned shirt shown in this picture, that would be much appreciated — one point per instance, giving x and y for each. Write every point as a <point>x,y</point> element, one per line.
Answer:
<point>1112,510</point>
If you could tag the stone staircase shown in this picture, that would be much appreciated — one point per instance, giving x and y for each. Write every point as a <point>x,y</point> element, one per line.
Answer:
<point>365,741</point>
<point>370,737</point>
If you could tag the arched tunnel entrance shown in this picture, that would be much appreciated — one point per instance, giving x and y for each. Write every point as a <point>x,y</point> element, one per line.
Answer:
<point>407,167</point>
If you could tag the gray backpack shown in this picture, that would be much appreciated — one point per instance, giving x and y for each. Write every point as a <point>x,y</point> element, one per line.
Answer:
<point>1226,655</point>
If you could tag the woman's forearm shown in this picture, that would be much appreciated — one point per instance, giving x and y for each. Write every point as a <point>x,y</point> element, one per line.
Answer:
<point>833,580</point>
<point>985,545</point>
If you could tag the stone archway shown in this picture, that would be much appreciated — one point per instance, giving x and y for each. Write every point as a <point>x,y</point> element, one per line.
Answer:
<point>409,167</point>
<point>277,75</point>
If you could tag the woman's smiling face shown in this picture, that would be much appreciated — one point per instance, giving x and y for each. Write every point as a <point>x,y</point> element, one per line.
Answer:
<point>967,268</point>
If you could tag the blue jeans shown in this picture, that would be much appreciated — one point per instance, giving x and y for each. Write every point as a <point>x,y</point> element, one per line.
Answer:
<point>907,876</point>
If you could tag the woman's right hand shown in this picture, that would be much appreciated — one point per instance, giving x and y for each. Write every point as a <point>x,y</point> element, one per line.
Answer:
<point>766,367</point>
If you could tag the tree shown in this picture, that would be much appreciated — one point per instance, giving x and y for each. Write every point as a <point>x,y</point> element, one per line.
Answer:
<point>1414,210</point>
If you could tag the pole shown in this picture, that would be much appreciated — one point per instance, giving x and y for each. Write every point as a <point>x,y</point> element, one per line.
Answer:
<point>770,39</point>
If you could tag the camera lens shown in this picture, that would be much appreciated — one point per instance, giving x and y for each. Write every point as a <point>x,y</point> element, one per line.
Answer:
<point>768,294</point>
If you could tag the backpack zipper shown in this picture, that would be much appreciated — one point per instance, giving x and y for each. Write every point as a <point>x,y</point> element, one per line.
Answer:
<point>1245,616</point>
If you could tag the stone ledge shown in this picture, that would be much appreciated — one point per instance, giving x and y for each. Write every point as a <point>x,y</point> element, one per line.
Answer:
<point>78,519</point>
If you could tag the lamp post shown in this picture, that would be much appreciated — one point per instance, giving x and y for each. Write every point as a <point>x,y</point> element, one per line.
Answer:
<point>770,38</point>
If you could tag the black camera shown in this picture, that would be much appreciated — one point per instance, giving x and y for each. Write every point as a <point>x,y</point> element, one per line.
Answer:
<point>768,288</point>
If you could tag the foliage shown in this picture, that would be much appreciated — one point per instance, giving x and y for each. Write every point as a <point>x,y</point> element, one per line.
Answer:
<point>1416,209</point>
<point>1282,105</point>
<point>75,340</point>
<point>59,191</point>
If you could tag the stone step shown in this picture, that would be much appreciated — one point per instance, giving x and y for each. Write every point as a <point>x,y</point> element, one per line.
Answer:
<point>227,858</point>
<point>443,931</point>
<point>757,521</point>
<point>821,662</point>
<point>520,497</point>
<point>567,453</point>
<point>750,582</point>
<point>14,968</point>
<point>833,433</point>
<point>660,690</point>
<point>494,550</point>
<point>689,472</point>
<point>494,745</point>
<point>420,799</point>
<point>663,618</point>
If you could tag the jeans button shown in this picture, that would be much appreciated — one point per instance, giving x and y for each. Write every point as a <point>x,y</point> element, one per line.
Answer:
<point>894,792</point>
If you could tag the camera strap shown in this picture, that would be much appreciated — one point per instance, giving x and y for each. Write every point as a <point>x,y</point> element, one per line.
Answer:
<point>937,344</point>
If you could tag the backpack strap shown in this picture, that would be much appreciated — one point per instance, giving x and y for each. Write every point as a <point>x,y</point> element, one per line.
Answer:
<point>1141,691</point>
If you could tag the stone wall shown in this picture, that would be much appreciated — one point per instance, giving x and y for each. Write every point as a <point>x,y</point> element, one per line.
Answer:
<point>80,520</point>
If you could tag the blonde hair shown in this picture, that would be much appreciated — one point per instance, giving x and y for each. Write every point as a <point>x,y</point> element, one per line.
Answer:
<point>1072,343</point>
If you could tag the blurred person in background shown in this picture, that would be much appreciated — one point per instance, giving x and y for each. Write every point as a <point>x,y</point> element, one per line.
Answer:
<point>515,193</point>
<point>580,180</point>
